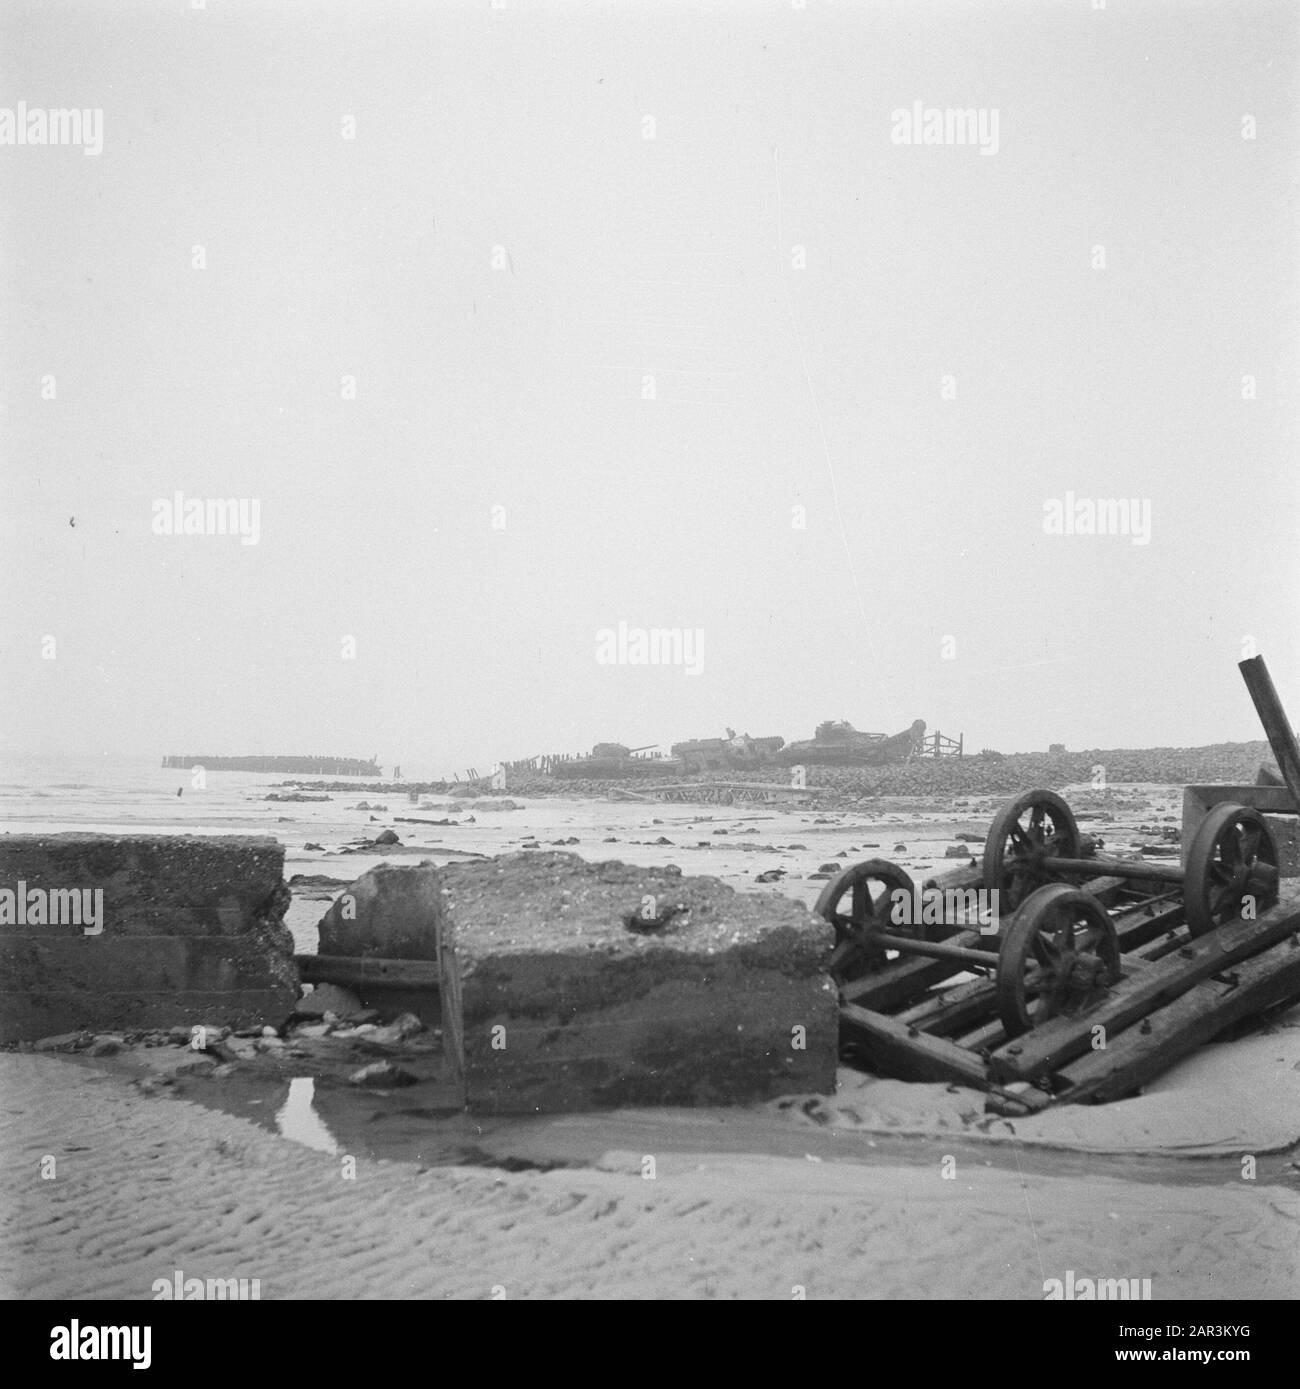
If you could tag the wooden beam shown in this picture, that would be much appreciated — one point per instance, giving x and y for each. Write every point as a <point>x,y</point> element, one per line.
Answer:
<point>350,971</point>
<point>1134,1057</point>
<point>944,1013</point>
<point>893,1049</point>
<point>906,977</point>
<point>1281,737</point>
<point>1142,991</point>
<point>1136,931</point>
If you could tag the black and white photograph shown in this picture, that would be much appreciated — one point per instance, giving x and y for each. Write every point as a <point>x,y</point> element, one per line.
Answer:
<point>650,654</point>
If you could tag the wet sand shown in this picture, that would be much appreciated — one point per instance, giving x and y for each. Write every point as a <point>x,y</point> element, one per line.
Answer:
<point>144,1186</point>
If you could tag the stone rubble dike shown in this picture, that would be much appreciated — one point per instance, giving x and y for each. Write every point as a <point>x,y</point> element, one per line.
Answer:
<point>1001,775</point>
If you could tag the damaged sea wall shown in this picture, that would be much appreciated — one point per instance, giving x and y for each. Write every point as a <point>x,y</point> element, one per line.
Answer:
<point>591,985</point>
<point>570,985</point>
<point>121,932</point>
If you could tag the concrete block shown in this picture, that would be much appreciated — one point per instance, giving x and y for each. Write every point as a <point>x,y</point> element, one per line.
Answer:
<point>388,913</point>
<point>563,1007</point>
<point>187,929</point>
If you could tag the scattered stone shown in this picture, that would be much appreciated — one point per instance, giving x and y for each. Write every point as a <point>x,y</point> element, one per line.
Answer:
<point>64,1041</point>
<point>199,1066</point>
<point>311,848</point>
<point>662,840</point>
<point>671,870</point>
<point>105,1046</point>
<point>271,1043</point>
<point>382,1075</point>
<point>803,847</point>
<point>387,837</point>
<point>970,838</point>
<point>956,851</point>
<point>314,1029</point>
<point>328,998</point>
<point>831,867</point>
<point>227,1068</point>
<point>900,848</point>
<point>772,875</point>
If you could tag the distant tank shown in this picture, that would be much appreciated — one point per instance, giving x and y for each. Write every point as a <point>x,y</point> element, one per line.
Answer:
<point>611,760</point>
<point>735,752</point>
<point>837,742</point>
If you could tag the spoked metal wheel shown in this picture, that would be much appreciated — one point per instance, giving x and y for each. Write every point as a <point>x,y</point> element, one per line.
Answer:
<point>858,902</point>
<point>1023,839</point>
<point>1231,867</point>
<point>1059,955</point>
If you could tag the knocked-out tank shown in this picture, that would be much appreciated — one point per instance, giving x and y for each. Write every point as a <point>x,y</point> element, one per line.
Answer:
<point>836,741</point>
<point>734,752</point>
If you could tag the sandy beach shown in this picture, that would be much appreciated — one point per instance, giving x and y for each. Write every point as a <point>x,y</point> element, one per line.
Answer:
<point>146,1186</point>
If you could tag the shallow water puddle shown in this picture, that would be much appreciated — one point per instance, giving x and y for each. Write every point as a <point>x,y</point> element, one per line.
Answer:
<point>296,1119</point>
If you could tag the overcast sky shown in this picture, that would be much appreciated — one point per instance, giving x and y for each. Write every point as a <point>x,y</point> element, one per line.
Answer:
<point>653,318</point>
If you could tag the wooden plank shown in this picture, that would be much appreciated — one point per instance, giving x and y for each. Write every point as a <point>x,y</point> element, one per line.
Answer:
<point>1277,727</point>
<point>932,1011</point>
<point>1134,1057</point>
<point>453,1028</point>
<point>893,1049</point>
<point>1140,992</point>
<point>908,976</point>
<point>1136,931</point>
<point>987,1036</point>
<point>1105,889</point>
<point>354,971</point>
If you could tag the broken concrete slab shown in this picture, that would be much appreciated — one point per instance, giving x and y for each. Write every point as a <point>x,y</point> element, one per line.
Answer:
<point>115,932</point>
<point>388,913</point>
<point>564,1006</point>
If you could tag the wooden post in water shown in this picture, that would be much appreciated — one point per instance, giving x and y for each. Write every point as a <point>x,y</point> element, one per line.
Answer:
<point>1272,715</point>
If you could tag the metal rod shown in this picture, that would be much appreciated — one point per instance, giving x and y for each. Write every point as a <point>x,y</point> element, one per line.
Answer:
<point>936,950</point>
<point>1118,868</point>
<point>1281,737</point>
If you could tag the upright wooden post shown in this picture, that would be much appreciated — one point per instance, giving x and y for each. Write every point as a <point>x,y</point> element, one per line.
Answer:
<point>1280,736</point>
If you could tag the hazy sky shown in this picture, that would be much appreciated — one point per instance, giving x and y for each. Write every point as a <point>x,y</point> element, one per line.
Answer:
<point>646,343</point>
